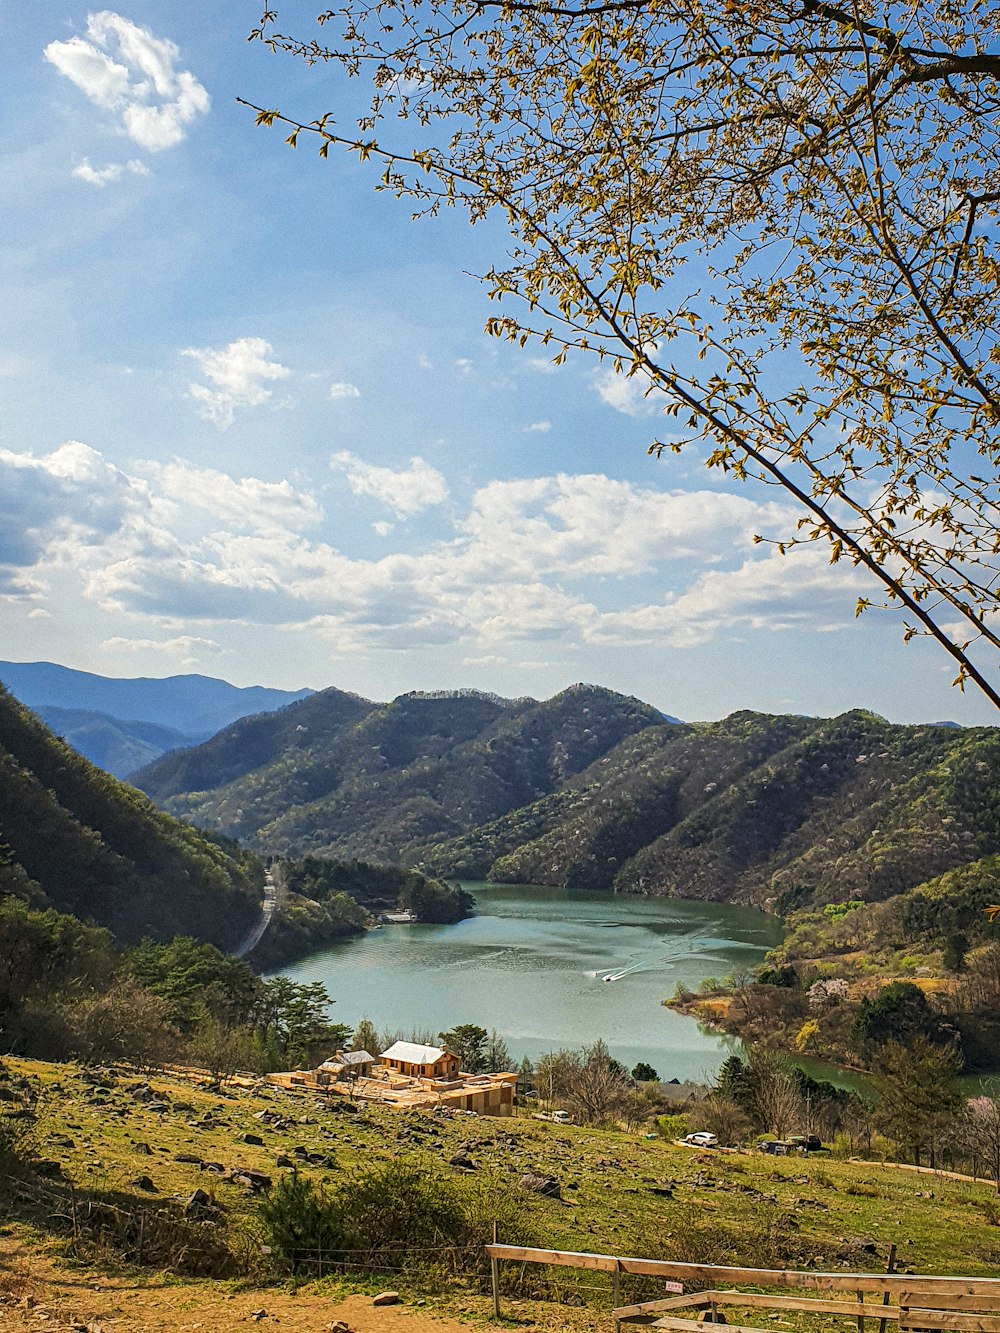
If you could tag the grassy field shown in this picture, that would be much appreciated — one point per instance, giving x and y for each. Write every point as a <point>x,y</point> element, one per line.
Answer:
<point>118,1140</point>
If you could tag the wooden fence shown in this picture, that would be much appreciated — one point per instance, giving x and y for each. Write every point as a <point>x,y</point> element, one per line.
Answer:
<point>911,1302</point>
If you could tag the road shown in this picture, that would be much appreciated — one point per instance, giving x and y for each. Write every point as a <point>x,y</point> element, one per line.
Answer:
<point>253,936</point>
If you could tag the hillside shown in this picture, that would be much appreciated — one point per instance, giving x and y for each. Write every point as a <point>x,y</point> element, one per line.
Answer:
<point>771,811</point>
<point>593,790</point>
<point>339,776</point>
<point>75,839</point>
<point>133,1149</point>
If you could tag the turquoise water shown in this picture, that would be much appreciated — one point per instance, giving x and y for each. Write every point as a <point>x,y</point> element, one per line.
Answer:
<point>531,963</point>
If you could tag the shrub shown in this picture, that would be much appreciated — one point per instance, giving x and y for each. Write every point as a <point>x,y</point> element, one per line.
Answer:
<point>390,1218</point>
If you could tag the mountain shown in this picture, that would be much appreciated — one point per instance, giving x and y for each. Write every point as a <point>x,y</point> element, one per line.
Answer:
<point>75,839</point>
<point>198,706</point>
<point>775,811</point>
<point>593,790</point>
<point>116,746</point>
<point>340,776</point>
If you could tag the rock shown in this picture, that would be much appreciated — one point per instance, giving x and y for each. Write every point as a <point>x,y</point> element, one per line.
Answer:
<point>255,1180</point>
<point>282,1160</point>
<point>144,1148</point>
<point>463,1162</point>
<point>258,1315</point>
<point>386,1298</point>
<point>338,1326</point>
<point>144,1183</point>
<point>197,1202</point>
<point>253,1139</point>
<point>189,1157</point>
<point>538,1184</point>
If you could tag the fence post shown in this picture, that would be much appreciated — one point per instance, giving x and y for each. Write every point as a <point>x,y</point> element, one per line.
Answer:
<point>889,1268</point>
<point>495,1277</point>
<point>616,1291</point>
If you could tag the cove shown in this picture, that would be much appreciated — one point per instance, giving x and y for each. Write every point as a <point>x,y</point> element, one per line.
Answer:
<point>532,963</point>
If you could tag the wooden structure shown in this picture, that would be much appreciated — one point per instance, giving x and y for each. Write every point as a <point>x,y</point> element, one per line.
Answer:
<point>416,1061</point>
<point>912,1304</point>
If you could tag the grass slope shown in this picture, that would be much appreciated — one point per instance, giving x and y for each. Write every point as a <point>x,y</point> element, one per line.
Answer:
<point>621,1194</point>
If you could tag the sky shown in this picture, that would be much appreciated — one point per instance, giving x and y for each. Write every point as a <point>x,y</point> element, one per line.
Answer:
<point>252,427</point>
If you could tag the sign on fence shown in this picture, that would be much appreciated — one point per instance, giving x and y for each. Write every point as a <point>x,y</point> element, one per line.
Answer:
<point>674,1287</point>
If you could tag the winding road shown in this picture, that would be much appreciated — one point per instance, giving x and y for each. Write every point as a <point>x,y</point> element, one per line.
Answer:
<point>253,936</point>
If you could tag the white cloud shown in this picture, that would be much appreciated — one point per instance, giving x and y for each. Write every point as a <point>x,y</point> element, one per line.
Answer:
<point>128,70</point>
<point>563,560</point>
<point>579,526</point>
<point>625,393</point>
<point>382,528</point>
<point>776,592</point>
<point>182,643</point>
<point>404,491</point>
<point>247,503</point>
<point>344,390</point>
<point>236,377</point>
<point>68,499</point>
<point>186,649</point>
<point>542,427</point>
<point>101,176</point>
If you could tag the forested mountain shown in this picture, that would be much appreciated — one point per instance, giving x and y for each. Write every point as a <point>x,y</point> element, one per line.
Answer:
<point>594,790</point>
<point>782,811</point>
<point>75,839</point>
<point>337,775</point>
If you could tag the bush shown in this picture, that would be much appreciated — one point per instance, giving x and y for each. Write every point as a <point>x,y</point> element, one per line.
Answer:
<point>390,1218</point>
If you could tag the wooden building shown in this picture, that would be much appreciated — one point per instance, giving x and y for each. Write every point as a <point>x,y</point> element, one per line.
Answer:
<point>416,1061</point>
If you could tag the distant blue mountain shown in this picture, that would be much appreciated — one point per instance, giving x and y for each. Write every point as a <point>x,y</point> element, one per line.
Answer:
<point>117,746</point>
<point>194,706</point>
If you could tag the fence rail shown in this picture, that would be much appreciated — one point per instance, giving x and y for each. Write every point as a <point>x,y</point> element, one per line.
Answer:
<point>909,1300</point>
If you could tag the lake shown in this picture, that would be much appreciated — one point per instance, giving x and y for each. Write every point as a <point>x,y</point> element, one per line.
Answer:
<point>551,968</point>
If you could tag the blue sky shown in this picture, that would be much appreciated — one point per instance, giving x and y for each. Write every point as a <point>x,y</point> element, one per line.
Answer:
<point>252,425</point>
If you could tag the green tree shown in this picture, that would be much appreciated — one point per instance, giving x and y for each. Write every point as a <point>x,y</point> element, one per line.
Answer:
<point>469,1042</point>
<point>776,220</point>
<point>645,1073</point>
<point>366,1037</point>
<point>918,1095</point>
<point>898,1013</point>
<point>295,1016</point>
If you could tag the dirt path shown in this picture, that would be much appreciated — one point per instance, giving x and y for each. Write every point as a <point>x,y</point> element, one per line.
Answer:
<point>36,1295</point>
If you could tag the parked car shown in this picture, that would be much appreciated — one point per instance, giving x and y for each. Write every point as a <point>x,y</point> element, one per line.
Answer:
<point>702,1139</point>
<point>562,1117</point>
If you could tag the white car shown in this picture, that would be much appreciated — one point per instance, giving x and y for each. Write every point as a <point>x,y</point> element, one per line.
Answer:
<point>702,1139</point>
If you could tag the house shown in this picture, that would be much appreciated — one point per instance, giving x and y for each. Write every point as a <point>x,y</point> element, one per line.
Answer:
<point>416,1061</point>
<point>345,1064</point>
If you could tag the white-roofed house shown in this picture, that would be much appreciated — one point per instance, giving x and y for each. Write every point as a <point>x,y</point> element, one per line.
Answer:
<point>417,1061</point>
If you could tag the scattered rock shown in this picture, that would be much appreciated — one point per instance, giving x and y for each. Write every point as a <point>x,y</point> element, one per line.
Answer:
<point>144,1148</point>
<point>463,1162</point>
<point>189,1157</point>
<point>253,1139</point>
<point>539,1184</point>
<point>197,1202</point>
<point>386,1298</point>
<point>144,1183</point>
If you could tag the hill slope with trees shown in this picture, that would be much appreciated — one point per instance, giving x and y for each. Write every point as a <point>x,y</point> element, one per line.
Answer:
<point>593,790</point>
<point>75,839</point>
<point>335,775</point>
